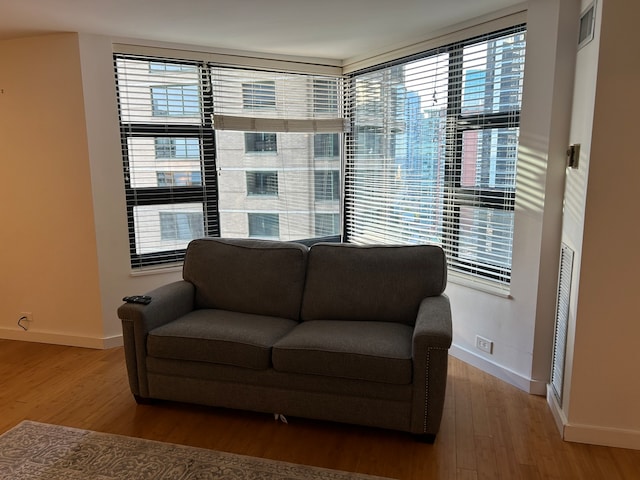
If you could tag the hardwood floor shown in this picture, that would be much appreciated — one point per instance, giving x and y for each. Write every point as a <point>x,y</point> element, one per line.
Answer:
<point>490,430</point>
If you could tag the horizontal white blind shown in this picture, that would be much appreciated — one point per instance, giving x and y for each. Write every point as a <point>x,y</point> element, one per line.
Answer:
<point>258,100</point>
<point>168,157</point>
<point>279,144</point>
<point>247,60</point>
<point>221,151</point>
<point>432,152</point>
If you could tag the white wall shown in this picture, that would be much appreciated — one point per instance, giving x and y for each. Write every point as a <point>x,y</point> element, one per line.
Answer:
<point>109,206</point>
<point>602,389</point>
<point>522,326</point>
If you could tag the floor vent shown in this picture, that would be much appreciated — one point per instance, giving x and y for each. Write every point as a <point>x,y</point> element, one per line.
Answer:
<point>562,321</point>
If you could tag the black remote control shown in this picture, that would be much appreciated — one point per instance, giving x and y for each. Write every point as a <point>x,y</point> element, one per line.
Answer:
<point>143,299</point>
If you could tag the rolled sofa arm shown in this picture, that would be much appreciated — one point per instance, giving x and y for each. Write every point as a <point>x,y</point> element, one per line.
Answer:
<point>168,303</point>
<point>431,341</point>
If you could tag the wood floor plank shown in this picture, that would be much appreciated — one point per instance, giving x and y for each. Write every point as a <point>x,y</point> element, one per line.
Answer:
<point>479,404</point>
<point>465,444</point>
<point>490,429</point>
<point>486,459</point>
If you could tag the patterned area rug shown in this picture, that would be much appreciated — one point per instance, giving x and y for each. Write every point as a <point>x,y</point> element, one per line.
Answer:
<point>40,451</point>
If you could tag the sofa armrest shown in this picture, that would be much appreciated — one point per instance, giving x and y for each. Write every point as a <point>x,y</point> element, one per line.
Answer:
<point>431,341</point>
<point>433,324</point>
<point>168,303</point>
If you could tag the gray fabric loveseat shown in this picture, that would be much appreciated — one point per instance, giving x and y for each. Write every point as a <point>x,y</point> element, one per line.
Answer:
<point>354,334</point>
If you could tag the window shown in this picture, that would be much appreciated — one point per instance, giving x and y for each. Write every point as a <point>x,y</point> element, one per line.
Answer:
<point>171,147</point>
<point>259,95</point>
<point>262,183</point>
<point>327,185</point>
<point>326,146</point>
<point>432,153</point>
<point>325,96</point>
<point>171,67</point>
<point>166,179</point>
<point>327,224</point>
<point>181,225</point>
<point>175,100</point>
<point>260,142</point>
<point>264,225</point>
<point>368,141</point>
<point>208,151</point>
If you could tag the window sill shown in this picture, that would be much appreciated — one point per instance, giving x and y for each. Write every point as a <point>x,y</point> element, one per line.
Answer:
<point>156,270</point>
<point>481,285</point>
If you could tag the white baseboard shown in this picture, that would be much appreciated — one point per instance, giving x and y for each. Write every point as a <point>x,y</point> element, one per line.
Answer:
<point>557,412</point>
<point>591,434</point>
<point>535,387</point>
<point>60,339</point>
<point>605,436</point>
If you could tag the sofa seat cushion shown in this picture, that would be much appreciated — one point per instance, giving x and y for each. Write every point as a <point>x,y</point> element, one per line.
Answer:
<point>373,351</point>
<point>219,336</point>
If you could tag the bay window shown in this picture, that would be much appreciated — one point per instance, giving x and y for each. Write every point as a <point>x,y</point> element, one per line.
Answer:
<point>417,150</point>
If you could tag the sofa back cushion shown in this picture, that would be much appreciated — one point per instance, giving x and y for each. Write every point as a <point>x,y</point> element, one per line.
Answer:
<point>244,275</point>
<point>382,283</point>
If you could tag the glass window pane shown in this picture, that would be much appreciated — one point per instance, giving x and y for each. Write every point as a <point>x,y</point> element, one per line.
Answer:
<point>489,158</point>
<point>486,237</point>
<point>262,183</point>
<point>260,142</point>
<point>325,96</point>
<point>264,225</point>
<point>175,100</point>
<point>167,227</point>
<point>326,145</point>
<point>327,186</point>
<point>163,161</point>
<point>171,67</point>
<point>179,179</point>
<point>155,92</point>
<point>493,75</point>
<point>173,147</point>
<point>282,183</point>
<point>327,224</point>
<point>259,95</point>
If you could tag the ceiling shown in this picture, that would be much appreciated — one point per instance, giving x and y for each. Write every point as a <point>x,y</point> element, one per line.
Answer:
<point>328,29</point>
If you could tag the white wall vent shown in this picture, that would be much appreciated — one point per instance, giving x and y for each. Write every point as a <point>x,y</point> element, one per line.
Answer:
<point>587,25</point>
<point>562,321</point>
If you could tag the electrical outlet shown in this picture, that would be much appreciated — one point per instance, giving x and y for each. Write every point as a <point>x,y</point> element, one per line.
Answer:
<point>484,344</point>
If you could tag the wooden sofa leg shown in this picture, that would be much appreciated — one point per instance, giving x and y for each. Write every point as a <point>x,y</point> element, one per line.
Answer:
<point>426,437</point>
